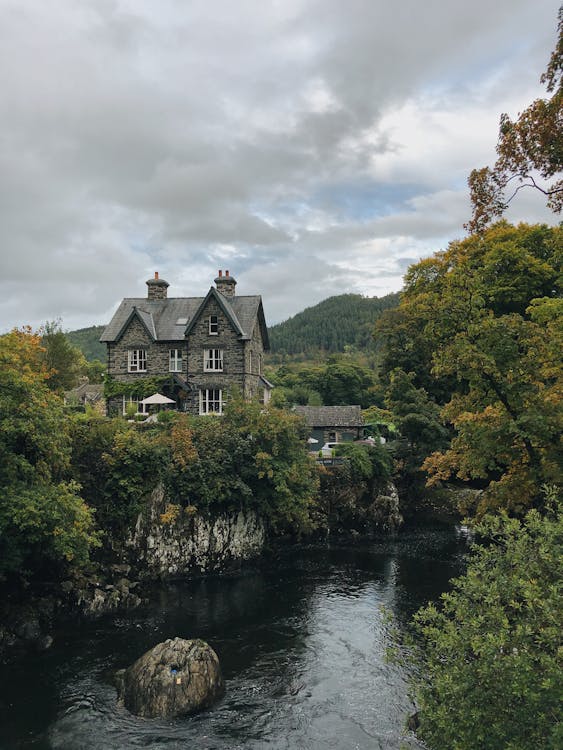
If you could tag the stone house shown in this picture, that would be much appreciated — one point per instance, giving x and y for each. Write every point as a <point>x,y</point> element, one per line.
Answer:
<point>87,394</point>
<point>197,348</point>
<point>333,424</point>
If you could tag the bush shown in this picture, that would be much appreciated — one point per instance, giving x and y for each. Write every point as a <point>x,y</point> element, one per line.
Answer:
<point>490,651</point>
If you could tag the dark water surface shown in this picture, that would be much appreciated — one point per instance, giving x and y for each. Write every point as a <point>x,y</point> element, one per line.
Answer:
<point>301,641</point>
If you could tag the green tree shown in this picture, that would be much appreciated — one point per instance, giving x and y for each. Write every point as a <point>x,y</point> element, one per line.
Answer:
<point>530,151</point>
<point>417,417</point>
<point>490,671</point>
<point>64,362</point>
<point>509,417</point>
<point>42,517</point>
<point>480,327</point>
<point>282,478</point>
<point>346,383</point>
<point>94,370</point>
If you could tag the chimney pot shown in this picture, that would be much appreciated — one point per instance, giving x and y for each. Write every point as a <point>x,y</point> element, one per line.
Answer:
<point>156,288</point>
<point>225,284</point>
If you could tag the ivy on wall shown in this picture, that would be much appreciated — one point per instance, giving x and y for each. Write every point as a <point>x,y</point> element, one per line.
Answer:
<point>139,387</point>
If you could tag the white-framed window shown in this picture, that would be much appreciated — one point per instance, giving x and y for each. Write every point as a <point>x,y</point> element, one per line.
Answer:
<point>175,360</point>
<point>213,325</point>
<point>137,360</point>
<point>136,400</point>
<point>213,360</point>
<point>211,401</point>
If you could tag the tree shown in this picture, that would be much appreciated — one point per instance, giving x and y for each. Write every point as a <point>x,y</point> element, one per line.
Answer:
<point>416,415</point>
<point>489,672</point>
<point>509,417</point>
<point>64,362</point>
<point>282,479</point>
<point>480,327</point>
<point>42,517</point>
<point>529,149</point>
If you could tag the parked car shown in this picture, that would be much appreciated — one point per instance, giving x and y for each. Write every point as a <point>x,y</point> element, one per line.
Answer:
<point>328,449</point>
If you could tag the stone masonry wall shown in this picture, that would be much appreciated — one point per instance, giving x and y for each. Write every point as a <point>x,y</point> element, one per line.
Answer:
<point>236,358</point>
<point>252,380</point>
<point>158,358</point>
<point>233,355</point>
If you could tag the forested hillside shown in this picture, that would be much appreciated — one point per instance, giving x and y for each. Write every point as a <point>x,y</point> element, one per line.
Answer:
<point>332,325</point>
<point>88,341</point>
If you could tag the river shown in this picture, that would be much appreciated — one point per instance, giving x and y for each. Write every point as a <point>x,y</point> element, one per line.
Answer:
<point>301,639</point>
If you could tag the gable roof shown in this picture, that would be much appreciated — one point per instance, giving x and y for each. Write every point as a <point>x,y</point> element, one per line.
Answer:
<point>225,307</point>
<point>144,317</point>
<point>161,316</point>
<point>87,392</point>
<point>331,416</point>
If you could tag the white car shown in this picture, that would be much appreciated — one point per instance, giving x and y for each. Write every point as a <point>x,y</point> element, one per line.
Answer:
<point>328,449</point>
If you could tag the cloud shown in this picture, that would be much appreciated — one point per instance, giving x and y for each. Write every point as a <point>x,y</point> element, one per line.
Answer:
<point>313,144</point>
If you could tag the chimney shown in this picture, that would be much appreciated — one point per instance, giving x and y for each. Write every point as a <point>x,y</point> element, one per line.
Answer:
<point>157,287</point>
<point>225,284</point>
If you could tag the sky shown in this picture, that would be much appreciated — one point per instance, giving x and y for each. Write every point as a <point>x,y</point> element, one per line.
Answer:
<point>311,147</point>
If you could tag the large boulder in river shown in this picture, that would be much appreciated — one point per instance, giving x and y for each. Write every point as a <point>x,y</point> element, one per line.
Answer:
<point>174,678</point>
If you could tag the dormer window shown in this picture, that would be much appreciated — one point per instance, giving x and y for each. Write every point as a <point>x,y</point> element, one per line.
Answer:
<point>137,360</point>
<point>213,325</point>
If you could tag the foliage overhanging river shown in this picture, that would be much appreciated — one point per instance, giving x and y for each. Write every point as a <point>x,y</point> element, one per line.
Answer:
<point>301,641</point>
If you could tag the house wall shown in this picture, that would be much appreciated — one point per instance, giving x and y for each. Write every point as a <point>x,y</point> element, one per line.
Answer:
<point>236,358</point>
<point>252,380</point>
<point>227,339</point>
<point>158,358</point>
<point>334,434</point>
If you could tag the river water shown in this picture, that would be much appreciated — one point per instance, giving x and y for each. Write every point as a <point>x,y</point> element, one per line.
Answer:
<point>301,639</point>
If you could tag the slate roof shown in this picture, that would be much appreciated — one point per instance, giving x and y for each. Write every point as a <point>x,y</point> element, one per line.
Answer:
<point>331,416</point>
<point>160,316</point>
<point>90,392</point>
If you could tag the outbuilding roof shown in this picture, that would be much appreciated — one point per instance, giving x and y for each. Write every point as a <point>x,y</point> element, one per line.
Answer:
<point>331,416</point>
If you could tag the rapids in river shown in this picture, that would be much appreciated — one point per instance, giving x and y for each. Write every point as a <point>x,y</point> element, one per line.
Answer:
<point>301,636</point>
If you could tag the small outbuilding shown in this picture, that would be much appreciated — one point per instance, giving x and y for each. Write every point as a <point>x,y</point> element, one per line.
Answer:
<point>87,394</point>
<point>332,424</point>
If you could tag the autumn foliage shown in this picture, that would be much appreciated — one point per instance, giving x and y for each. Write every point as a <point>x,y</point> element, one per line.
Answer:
<point>43,519</point>
<point>480,329</point>
<point>530,152</point>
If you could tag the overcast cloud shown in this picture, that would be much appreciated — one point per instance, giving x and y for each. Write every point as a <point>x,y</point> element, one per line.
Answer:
<point>312,147</point>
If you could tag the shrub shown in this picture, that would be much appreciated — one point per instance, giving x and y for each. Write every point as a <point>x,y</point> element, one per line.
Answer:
<point>491,649</point>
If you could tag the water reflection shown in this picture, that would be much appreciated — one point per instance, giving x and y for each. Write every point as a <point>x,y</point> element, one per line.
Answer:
<point>301,642</point>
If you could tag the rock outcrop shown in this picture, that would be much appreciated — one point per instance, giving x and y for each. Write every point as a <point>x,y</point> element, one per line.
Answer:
<point>189,543</point>
<point>174,678</point>
<point>385,511</point>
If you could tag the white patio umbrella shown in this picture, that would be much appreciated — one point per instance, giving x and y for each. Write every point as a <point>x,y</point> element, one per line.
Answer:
<point>312,440</point>
<point>157,398</point>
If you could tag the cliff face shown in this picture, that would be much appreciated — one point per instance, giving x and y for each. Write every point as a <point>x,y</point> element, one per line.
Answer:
<point>183,544</point>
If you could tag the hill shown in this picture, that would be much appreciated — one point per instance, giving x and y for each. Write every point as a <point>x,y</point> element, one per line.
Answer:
<point>332,326</point>
<point>87,340</point>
